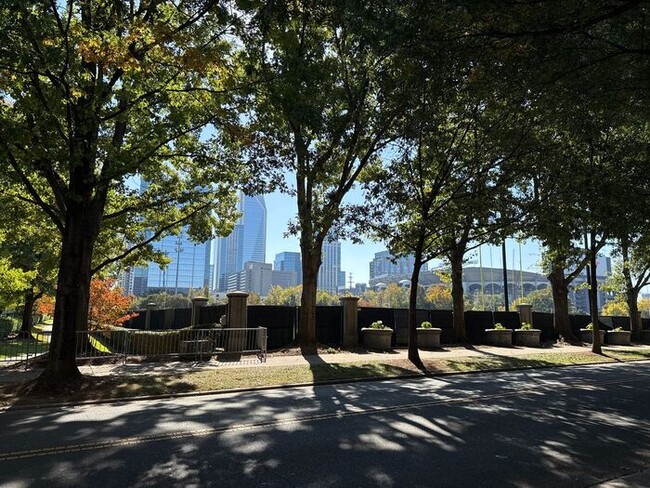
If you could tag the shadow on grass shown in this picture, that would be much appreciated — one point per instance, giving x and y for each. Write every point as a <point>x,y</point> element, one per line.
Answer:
<point>322,371</point>
<point>626,355</point>
<point>490,362</point>
<point>94,388</point>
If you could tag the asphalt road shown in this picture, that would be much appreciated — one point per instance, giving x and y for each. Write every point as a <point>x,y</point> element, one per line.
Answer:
<point>574,427</point>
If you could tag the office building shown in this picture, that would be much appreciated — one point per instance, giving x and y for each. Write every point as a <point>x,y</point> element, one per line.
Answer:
<point>291,262</point>
<point>386,268</point>
<point>246,243</point>
<point>329,273</point>
<point>258,278</point>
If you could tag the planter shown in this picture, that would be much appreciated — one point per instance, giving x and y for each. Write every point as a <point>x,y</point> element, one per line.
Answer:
<point>587,335</point>
<point>498,337</point>
<point>528,337</point>
<point>619,337</point>
<point>645,336</point>
<point>377,338</point>
<point>429,338</point>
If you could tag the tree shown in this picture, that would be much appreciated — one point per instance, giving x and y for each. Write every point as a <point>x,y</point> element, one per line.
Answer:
<point>290,296</point>
<point>644,307</point>
<point>95,94</point>
<point>439,297</point>
<point>284,296</point>
<point>630,275</point>
<point>615,308</point>
<point>322,115</point>
<point>13,281</point>
<point>163,300</point>
<point>31,243</point>
<point>541,300</point>
<point>109,306</point>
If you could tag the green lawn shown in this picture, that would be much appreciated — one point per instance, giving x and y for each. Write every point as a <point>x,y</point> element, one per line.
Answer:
<point>17,349</point>
<point>107,387</point>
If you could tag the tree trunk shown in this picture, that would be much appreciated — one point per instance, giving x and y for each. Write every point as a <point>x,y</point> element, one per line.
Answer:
<point>632,297</point>
<point>631,293</point>
<point>72,296</point>
<point>28,312</point>
<point>593,299</point>
<point>413,353</point>
<point>28,309</point>
<point>560,291</point>
<point>311,262</point>
<point>458,299</point>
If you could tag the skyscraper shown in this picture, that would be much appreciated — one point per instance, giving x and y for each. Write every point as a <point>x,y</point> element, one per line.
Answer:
<point>247,242</point>
<point>289,261</point>
<point>189,268</point>
<point>328,275</point>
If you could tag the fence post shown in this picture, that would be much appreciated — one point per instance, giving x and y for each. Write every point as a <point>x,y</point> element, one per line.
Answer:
<point>525,313</point>
<point>147,317</point>
<point>197,302</point>
<point>237,310</point>
<point>236,318</point>
<point>350,321</point>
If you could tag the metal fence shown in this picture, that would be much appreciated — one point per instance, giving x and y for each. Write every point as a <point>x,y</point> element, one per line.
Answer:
<point>228,345</point>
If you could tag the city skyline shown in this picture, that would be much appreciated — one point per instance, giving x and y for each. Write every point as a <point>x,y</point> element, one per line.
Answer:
<point>246,243</point>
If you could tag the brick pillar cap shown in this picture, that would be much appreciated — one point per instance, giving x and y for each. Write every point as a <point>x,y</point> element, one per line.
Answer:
<point>355,299</point>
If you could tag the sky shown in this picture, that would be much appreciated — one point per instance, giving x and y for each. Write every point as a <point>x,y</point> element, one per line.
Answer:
<point>355,258</point>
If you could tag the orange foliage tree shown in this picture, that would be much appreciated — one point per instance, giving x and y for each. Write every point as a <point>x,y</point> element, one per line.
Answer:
<point>108,304</point>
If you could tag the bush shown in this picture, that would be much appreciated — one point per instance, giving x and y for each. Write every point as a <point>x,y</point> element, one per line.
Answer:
<point>8,325</point>
<point>525,326</point>
<point>590,326</point>
<point>499,326</point>
<point>617,329</point>
<point>426,325</point>
<point>378,324</point>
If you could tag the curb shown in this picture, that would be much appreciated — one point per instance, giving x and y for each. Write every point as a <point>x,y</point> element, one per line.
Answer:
<point>295,385</point>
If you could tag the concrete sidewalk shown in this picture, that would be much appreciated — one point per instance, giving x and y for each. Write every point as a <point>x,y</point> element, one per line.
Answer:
<point>14,374</point>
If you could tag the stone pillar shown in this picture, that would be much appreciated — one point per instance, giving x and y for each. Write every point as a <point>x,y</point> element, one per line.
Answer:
<point>350,321</point>
<point>236,311</point>
<point>236,318</point>
<point>525,313</point>
<point>197,302</point>
<point>147,317</point>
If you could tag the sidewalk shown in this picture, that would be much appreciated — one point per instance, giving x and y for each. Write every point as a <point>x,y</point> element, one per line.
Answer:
<point>15,374</point>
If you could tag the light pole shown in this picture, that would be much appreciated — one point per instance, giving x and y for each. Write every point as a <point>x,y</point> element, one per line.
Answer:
<point>505,275</point>
<point>179,250</point>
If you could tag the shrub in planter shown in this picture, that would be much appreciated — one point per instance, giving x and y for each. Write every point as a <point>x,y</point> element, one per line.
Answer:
<point>498,336</point>
<point>428,336</point>
<point>527,336</point>
<point>377,336</point>
<point>587,334</point>
<point>619,337</point>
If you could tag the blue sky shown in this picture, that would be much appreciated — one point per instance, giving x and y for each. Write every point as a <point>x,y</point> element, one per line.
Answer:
<point>355,258</point>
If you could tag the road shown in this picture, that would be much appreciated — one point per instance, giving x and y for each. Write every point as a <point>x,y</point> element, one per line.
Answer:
<point>573,427</point>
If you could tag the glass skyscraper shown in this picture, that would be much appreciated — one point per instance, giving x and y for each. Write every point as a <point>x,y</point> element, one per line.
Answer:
<point>189,268</point>
<point>329,273</point>
<point>289,261</point>
<point>246,243</point>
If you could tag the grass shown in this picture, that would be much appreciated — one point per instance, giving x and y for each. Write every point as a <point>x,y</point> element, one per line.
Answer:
<point>113,387</point>
<point>17,348</point>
